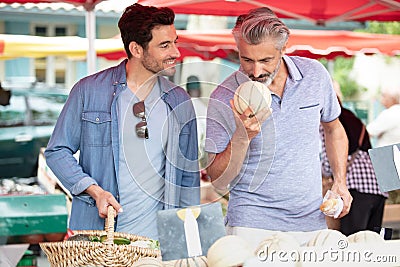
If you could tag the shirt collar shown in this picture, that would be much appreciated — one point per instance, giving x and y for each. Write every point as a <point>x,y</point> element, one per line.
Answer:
<point>119,74</point>
<point>294,72</point>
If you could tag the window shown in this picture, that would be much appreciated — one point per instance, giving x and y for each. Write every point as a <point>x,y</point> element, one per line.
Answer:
<point>40,31</point>
<point>51,70</point>
<point>61,31</point>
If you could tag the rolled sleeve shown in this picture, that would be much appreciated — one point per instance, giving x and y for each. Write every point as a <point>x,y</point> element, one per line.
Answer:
<point>82,185</point>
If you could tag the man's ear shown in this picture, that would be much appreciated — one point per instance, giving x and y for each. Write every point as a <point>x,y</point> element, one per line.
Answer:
<point>284,49</point>
<point>136,49</point>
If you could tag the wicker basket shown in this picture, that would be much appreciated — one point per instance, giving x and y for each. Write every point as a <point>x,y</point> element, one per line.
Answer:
<point>87,253</point>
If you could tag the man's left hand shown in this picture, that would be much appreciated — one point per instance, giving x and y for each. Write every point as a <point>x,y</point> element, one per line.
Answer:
<point>343,192</point>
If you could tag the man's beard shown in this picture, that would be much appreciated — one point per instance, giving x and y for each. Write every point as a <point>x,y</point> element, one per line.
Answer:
<point>160,70</point>
<point>269,76</point>
<point>150,64</point>
<point>170,71</point>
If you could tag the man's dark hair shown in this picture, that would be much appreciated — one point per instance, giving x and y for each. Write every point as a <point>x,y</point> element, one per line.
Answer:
<point>137,22</point>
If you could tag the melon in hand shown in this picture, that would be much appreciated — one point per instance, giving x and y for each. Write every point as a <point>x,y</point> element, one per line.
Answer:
<point>252,94</point>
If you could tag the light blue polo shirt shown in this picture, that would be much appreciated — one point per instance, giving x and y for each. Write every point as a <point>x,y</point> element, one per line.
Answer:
<point>279,185</point>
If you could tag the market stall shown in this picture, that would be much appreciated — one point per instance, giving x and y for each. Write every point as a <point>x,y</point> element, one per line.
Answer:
<point>29,215</point>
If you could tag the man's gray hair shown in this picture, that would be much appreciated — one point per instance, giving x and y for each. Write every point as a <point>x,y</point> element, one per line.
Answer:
<point>392,91</point>
<point>259,25</point>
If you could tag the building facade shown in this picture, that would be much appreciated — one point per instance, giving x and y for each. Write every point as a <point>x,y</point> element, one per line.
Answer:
<point>58,19</point>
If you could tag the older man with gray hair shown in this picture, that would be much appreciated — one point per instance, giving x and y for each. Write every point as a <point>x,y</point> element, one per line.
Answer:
<point>271,164</point>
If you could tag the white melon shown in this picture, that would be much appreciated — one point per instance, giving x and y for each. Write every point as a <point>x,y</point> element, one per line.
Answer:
<point>278,242</point>
<point>188,262</point>
<point>365,236</point>
<point>147,262</point>
<point>230,250</point>
<point>253,94</point>
<point>328,238</point>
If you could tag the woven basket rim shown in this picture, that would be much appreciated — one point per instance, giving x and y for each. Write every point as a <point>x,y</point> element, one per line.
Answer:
<point>132,237</point>
<point>119,234</point>
<point>70,244</point>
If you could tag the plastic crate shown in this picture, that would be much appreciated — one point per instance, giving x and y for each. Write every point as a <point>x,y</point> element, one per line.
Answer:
<point>29,259</point>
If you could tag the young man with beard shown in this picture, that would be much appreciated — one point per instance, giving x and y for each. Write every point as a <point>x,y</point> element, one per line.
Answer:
<point>270,162</point>
<point>135,131</point>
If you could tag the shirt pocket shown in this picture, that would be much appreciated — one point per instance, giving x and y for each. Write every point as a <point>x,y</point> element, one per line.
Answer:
<point>305,107</point>
<point>96,128</point>
<point>309,116</point>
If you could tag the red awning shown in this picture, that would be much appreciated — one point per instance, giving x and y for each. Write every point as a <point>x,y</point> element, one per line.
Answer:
<point>207,45</point>
<point>1,46</point>
<point>309,43</point>
<point>317,11</point>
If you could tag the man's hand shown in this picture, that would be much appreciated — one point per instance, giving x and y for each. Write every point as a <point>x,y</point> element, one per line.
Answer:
<point>248,121</point>
<point>103,200</point>
<point>343,192</point>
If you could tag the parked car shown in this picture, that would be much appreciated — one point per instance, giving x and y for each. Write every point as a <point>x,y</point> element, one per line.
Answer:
<point>26,125</point>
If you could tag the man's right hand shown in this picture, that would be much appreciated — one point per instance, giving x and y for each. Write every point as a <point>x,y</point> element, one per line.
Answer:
<point>251,123</point>
<point>103,200</point>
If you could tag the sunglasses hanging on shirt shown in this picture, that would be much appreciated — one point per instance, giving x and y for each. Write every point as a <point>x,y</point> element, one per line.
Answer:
<point>141,128</point>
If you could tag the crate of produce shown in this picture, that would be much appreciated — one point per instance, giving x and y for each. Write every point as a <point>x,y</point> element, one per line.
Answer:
<point>28,260</point>
<point>27,215</point>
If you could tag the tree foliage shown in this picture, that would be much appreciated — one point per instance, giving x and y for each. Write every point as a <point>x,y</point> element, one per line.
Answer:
<point>382,27</point>
<point>349,87</point>
<point>343,66</point>
<point>341,69</point>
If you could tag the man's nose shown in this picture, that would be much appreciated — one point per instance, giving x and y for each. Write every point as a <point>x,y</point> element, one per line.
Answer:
<point>175,51</point>
<point>257,70</point>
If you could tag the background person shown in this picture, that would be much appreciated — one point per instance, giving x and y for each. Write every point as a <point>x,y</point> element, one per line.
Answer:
<point>368,204</point>
<point>386,126</point>
<point>113,118</point>
<point>271,164</point>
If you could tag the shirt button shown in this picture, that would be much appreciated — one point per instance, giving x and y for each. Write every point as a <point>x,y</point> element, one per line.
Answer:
<point>97,119</point>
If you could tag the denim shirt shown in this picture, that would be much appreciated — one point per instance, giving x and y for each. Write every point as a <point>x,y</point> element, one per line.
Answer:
<point>88,123</point>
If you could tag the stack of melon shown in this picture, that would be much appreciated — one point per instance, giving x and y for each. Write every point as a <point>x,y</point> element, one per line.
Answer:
<point>233,250</point>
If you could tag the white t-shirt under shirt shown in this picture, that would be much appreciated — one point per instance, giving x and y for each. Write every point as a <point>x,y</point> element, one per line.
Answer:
<point>141,164</point>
